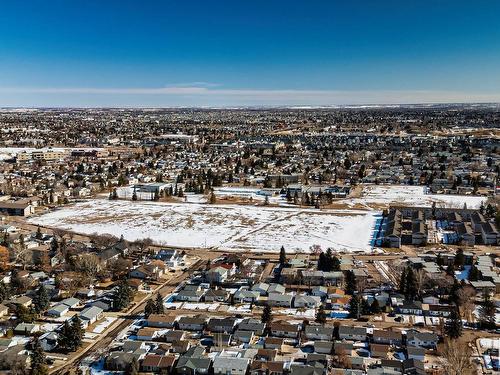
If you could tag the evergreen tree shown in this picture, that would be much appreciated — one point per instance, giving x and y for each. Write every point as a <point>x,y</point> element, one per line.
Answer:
<point>38,360</point>
<point>453,326</point>
<point>77,332</point>
<point>365,307</point>
<point>487,313</point>
<point>267,314</point>
<point>375,307</point>
<point>321,315</point>
<point>122,297</point>
<point>38,234</point>
<point>355,307</point>
<point>350,281</point>
<point>71,335</point>
<point>411,284</point>
<point>64,339</point>
<point>282,256</point>
<point>474,273</point>
<point>41,300</point>
<point>335,263</point>
<point>450,270</point>
<point>459,259</point>
<point>402,282</point>
<point>159,308</point>
<point>150,308</point>
<point>54,246</point>
<point>439,260</point>
<point>453,294</point>
<point>322,262</point>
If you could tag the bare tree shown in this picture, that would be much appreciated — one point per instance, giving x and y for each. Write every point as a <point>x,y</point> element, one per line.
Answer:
<point>89,265</point>
<point>103,240</point>
<point>456,355</point>
<point>466,300</point>
<point>421,279</point>
<point>22,255</point>
<point>143,244</point>
<point>119,267</point>
<point>342,359</point>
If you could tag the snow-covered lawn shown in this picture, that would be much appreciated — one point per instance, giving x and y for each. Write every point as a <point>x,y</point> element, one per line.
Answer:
<point>308,314</point>
<point>227,227</point>
<point>411,196</point>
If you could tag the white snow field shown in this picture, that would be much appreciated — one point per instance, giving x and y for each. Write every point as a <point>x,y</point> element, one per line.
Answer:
<point>226,227</point>
<point>411,196</point>
<point>234,227</point>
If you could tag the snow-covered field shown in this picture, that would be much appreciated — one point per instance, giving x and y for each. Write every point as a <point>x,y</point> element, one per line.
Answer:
<point>412,196</point>
<point>246,227</point>
<point>226,227</point>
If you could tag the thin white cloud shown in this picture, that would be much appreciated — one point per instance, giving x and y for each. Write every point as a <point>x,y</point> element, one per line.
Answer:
<point>203,91</point>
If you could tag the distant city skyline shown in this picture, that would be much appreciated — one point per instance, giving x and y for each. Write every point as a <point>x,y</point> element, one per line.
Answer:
<point>258,53</point>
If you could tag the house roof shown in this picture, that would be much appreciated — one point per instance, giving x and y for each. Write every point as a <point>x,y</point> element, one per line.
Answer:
<point>90,313</point>
<point>232,363</point>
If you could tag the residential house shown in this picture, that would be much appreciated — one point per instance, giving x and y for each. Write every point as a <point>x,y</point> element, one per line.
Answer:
<point>262,288</point>
<point>285,329</point>
<point>243,295</point>
<point>421,339</point>
<point>304,301</point>
<point>90,315</point>
<point>319,332</point>
<point>280,300</point>
<point>161,321</point>
<point>414,352</point>
<point>243,337</point>
<point>147,334</point>
<point>254,325</point>
<point>379,350</point>
<point>230,365</point>
<point>58,310</point>
<point>323,347</point>
<point>387,337</point>
<point>224,325</point>
<point>193,362</point>
<point>217,275</point>
<point>266,368</point>
<point>216,295</point>
<point>352,333</point>
<point>158,363</point>
<point>192,323</point>
<point>26,329</point>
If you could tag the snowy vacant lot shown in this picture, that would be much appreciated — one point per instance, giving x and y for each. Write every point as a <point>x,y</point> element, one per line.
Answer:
<point>246,228</point>
<point>376,195</point>
<point>227,227</point>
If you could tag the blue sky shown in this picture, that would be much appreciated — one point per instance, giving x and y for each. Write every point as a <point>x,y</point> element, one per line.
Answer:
<point>227,53</point>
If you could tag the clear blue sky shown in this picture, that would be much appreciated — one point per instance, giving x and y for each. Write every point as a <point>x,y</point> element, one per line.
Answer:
<point>225,53</point>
